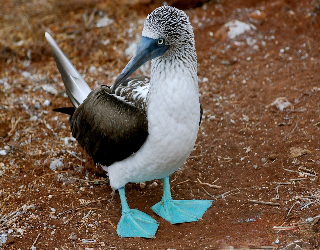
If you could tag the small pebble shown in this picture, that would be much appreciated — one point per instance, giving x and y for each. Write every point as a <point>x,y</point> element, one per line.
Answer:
<point>92,69</point>
<point>50,89</point>
<point>142,185</point>
<point>263,160</point>
<point>153,184</point>
<point>46,103</point>
<point>33,118</point>
<point>73,236</point>
<point>56,164</point>
<point>3,152</point>
<point>310,219</point>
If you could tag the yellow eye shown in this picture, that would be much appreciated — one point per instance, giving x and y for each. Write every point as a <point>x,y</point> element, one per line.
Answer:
<point>161,41</point>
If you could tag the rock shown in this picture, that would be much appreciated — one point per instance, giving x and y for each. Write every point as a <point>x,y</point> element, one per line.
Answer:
<point>280,103</point>
<point>3,152</point>
<point>73,236</point>
<point>56,164</point>
<point>297,152</point>
<point>33,118</point>
<point>258,15</point>
<point>92,69</point>
<point>48,88</point>
<point>46,103</point>
<point>142,185</point>
<point>153,184</point>
<point>232,29</point>
<point>6,239</point>
<point>3,238</point>
<point>26,74</point>
<point>103,22</point>
<point>67,139</point>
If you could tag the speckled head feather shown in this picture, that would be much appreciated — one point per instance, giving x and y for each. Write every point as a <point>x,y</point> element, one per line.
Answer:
<point>169,23</point>
<point>174,26</point>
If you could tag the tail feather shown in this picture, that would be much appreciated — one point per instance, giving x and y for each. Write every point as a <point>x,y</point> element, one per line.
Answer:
<point>76,87</point>
<point>65,110</point>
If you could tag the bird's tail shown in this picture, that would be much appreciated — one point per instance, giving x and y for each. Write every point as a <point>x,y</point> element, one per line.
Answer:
<point>65,110</point>
<point>76,88</point>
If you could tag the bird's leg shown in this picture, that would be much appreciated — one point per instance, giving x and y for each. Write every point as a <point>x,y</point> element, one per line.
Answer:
<point>134,223</point>
<point>179,211</point>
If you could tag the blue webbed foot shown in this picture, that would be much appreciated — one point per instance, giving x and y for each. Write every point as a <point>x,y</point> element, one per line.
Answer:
<point>134,223</point>
<point>179,211</point>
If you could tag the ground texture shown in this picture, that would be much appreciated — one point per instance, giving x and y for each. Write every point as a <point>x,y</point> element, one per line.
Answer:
<point>257,154</point>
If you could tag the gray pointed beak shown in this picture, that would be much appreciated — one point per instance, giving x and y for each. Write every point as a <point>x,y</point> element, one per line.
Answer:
<point>148,49</point>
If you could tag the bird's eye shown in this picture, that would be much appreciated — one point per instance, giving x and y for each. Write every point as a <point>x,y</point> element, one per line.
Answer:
<point>161,41</point>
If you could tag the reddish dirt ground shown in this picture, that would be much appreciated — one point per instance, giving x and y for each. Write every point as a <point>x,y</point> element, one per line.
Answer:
<point>258,161</point>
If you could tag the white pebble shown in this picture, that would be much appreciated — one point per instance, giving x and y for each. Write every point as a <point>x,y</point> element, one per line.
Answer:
<point>92,69</point>
<point>3,152</point>
<point>103,22</point>
<point>33,118</point>
<point>46,103</point>
<point>205,79</point>
<point>66,140</point>
<point>26,74</point>
<point>48,88</point>
<point>73,236</point>
<point>236,28</point>
<point>3,238</point>
<point>56,164</point>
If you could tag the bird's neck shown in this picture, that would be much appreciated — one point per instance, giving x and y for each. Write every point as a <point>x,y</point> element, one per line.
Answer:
<point>174,86</point>
<point>182,58</point>
<point>179,63</point>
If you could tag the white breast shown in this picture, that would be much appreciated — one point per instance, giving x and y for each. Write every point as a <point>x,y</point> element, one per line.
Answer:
<point>173,121</point>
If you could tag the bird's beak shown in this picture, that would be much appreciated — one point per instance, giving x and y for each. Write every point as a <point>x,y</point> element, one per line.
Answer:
<point>148,49</point>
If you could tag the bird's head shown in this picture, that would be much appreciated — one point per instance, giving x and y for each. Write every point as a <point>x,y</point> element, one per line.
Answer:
<point>165,29</point>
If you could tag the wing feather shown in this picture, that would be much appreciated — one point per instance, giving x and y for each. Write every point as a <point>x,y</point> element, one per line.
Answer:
<point>135,91</point>
<point>108,129</point>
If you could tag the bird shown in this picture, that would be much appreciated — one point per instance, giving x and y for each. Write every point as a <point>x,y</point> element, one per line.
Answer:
<point>144,127</point>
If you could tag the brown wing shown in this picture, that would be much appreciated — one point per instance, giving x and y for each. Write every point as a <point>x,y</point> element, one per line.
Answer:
<point>108,129</point>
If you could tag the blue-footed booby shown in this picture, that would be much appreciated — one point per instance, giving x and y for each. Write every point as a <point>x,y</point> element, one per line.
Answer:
<point>142,128</point>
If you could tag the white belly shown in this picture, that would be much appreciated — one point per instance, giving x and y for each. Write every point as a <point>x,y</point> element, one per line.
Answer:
<point>173,121</point>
